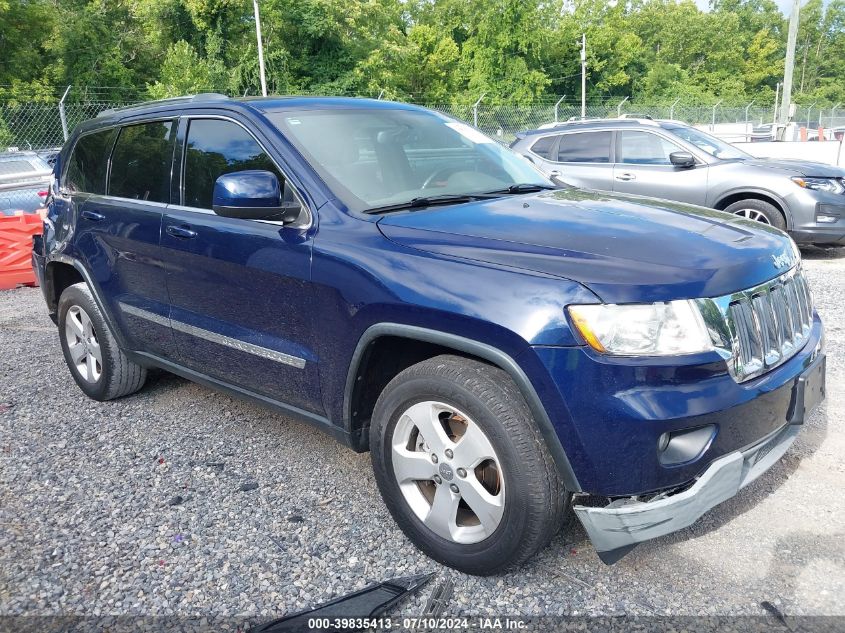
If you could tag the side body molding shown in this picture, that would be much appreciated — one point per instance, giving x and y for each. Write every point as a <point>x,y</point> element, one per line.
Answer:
<point>476,348</point>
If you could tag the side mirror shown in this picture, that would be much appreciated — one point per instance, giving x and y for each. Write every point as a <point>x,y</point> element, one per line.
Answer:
<point>682,159</point>
<point>252,195</point>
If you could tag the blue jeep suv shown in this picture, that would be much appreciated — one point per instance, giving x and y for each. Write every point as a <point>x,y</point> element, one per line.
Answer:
<point>507,349</point>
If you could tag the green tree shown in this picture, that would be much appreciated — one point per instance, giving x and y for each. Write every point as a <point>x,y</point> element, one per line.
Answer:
<point>183,72</point>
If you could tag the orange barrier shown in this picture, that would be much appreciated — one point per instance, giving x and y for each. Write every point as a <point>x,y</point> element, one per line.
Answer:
<point>16,232</point>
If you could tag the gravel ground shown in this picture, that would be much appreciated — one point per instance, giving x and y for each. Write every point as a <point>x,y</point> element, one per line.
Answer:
<point>182,501</point>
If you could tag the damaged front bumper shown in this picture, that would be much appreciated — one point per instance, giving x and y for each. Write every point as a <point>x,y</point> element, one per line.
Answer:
<point>615,529</point>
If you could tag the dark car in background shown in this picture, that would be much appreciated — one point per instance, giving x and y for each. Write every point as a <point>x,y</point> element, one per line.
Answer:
<point>24,182</point>
<point>674,161</point>
<point>506,349</point>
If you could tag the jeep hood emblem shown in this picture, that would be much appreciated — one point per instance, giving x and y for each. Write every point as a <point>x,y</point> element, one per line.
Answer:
<point>782,261</point>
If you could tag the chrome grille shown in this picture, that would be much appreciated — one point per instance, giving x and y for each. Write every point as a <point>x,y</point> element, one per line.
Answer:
<point>761,327</point>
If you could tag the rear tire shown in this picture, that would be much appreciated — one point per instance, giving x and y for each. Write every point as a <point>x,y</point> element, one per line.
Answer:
<point>487,442</point>
<point>760,211</point>
<point>95,360</point>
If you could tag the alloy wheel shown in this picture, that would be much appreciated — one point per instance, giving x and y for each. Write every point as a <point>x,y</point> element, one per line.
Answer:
<point>448,472</point>
<point>753,214</point>
<point>82,344</point>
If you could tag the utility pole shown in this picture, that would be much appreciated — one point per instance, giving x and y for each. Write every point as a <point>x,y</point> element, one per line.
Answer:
<point>583,76</point>
<point>775,113</point>
<point>786,94</point>
<point>260,49</point>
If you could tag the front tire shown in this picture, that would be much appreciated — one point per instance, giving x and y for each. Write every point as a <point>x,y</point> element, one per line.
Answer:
<point>759,211</point>
<point>463,468</point>
<point>96,362</point>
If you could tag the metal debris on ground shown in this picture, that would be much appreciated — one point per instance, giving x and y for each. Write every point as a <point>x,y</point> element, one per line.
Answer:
<point>439,598</point>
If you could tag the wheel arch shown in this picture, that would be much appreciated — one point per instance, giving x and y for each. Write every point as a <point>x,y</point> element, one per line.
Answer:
<point>61,264</point>
<point>58,275</point>
<point>755,194</point>
<point>425,343</point>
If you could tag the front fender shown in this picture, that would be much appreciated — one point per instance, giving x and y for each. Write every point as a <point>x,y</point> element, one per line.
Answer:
<point>488,352</point>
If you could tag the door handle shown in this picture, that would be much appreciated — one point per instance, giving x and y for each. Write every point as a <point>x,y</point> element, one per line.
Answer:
<point>93,216</point>
<point>554,173</point>
<point>626,176</point>
<point>182,232</point>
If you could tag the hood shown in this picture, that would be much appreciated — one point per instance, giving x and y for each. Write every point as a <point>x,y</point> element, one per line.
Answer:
<point>798,167</point>
<point>624,248</point>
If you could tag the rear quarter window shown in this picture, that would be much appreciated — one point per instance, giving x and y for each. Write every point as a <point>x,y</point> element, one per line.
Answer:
<point>86,170</point>
<point>543,147</point>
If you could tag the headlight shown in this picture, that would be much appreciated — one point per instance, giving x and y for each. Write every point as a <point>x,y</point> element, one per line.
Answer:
<point>656,329</point>
<point>831,185</point>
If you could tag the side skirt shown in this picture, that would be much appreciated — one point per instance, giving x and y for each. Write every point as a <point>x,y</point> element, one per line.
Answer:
<point>318,421</point>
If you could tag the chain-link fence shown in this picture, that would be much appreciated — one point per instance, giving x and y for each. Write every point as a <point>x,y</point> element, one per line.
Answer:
<point>39,126</point>
<point>504,121</point>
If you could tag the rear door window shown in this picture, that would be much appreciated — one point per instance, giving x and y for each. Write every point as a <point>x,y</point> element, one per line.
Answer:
<point>216,147</point>
<point>140,166</point>
<point>585,147</point>
<point>86,170</point>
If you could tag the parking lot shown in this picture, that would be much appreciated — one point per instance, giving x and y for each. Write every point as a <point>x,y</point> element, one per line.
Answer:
<point>146,506</point>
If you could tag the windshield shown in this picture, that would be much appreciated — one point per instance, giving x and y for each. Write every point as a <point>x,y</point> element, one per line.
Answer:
<point>378,156</point>
<point>710,144</point>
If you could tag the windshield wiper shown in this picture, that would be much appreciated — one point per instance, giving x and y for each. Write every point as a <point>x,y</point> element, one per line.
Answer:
<point>429,201</point>
<point>522,187</point>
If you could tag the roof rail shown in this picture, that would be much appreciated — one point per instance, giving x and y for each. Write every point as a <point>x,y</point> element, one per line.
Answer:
<point>632,119</point>
<point>203,96</point>
<point>210,96</point>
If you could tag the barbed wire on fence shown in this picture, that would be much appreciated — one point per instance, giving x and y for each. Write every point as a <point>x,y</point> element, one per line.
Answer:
<point>38,126</point>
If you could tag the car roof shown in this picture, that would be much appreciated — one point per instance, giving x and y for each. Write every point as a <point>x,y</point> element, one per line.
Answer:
<point>22,166</point>
<point>589,124</point>
<point>35,162</point>
<point>245,104</point>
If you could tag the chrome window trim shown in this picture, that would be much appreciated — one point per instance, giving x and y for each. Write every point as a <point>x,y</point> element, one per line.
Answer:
<point>222,117</point>
<point>214,337</point>
<point>155,203</point>
<point>180,207</point>
<point>727,334</point>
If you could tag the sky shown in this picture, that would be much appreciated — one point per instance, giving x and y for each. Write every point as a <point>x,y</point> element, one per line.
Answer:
<point>785,5</point>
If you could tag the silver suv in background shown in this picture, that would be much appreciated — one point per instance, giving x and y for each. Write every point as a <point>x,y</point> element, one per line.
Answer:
<point>25,181</point>
<point>671,160</point>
